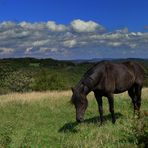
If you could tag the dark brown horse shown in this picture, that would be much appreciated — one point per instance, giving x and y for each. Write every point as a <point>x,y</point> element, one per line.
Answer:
<point>105,79</point>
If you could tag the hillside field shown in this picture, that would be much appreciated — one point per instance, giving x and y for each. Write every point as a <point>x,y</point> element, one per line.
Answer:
<point>29,74</point>
<point>47,119</point>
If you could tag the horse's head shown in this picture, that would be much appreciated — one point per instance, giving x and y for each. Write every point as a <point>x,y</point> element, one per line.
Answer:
<point>80,102</point>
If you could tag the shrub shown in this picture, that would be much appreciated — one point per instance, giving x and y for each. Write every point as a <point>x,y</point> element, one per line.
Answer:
<point>48,81</point>
<point>19,81</point>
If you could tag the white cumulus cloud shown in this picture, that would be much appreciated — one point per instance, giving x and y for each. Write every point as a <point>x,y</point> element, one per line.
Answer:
<point>70,43</point>
<point>54,27</point>
<point>32,26</point>
<point>4,50</point>
<point>40,43</point>
<point>49,38</point>
<point>85,26</point>
<point>45,49</point>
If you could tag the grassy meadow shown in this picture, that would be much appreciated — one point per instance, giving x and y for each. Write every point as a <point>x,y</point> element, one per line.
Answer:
<point>47,119</point>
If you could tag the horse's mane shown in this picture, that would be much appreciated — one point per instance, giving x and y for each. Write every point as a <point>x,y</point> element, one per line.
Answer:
<point>90,71</point>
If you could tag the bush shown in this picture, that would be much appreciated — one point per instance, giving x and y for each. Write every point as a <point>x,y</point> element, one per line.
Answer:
<point>141,133</point>
<point>5,72</point>
<point>48,81</point>
<point>30,74</point>
<point>19,81</point>
<point>4,90</point>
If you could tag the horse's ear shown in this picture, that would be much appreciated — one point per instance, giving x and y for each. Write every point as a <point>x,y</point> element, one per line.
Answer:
<point>72,89</point>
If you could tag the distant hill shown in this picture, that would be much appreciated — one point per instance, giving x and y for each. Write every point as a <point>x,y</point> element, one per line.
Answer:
<point>30,74</point>
<point>110,59</point>
<point>54,61</point>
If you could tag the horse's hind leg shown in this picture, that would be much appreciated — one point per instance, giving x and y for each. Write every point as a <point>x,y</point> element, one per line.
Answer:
<point>131,93</point>
<point>138,89</point>
<point>111,106</point>
<point>135,93</point>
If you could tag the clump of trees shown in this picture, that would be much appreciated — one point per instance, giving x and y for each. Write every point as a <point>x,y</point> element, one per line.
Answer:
<point>29,74</point>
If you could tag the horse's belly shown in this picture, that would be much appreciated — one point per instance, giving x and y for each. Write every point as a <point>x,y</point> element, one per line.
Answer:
<point>124,82</point>
<point>120,90</point>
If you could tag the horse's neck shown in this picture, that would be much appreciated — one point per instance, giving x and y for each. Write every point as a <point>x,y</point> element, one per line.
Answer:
<point>79,86</point>
<point>82,88</point>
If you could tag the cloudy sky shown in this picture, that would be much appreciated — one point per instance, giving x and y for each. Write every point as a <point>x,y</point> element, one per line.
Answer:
<point>74,29</point>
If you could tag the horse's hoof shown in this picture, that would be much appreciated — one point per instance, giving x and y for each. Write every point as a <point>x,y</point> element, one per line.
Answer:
<point>136,116</point>
<point>102,123</point>
<point>113,121</point>
<point>80,120</point>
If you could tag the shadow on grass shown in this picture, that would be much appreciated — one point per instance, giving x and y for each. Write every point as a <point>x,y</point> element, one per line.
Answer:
<point>71,126</point>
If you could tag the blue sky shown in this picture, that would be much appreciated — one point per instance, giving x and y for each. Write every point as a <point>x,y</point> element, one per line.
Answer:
<point>73,29</point>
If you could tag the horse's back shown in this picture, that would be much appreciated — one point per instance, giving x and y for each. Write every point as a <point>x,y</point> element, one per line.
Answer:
<point>137,69</point>
<point>108,76</point>
<point>113,77</point>
<point>116,77</point>
<point>119,77</point>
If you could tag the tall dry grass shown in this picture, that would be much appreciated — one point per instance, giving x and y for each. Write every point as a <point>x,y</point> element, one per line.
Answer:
<point>34,96</point>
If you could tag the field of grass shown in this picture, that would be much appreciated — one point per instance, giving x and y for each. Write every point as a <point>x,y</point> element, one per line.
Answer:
<point>47,119</point>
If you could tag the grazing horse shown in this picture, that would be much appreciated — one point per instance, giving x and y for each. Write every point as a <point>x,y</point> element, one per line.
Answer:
<point>106,79</point>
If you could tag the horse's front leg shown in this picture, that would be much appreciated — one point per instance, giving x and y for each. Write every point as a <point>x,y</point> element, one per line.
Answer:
<point>111,106</point>
<point>100,107</point>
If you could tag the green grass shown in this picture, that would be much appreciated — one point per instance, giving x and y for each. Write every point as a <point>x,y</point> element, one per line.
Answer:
<point>48,120</point>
